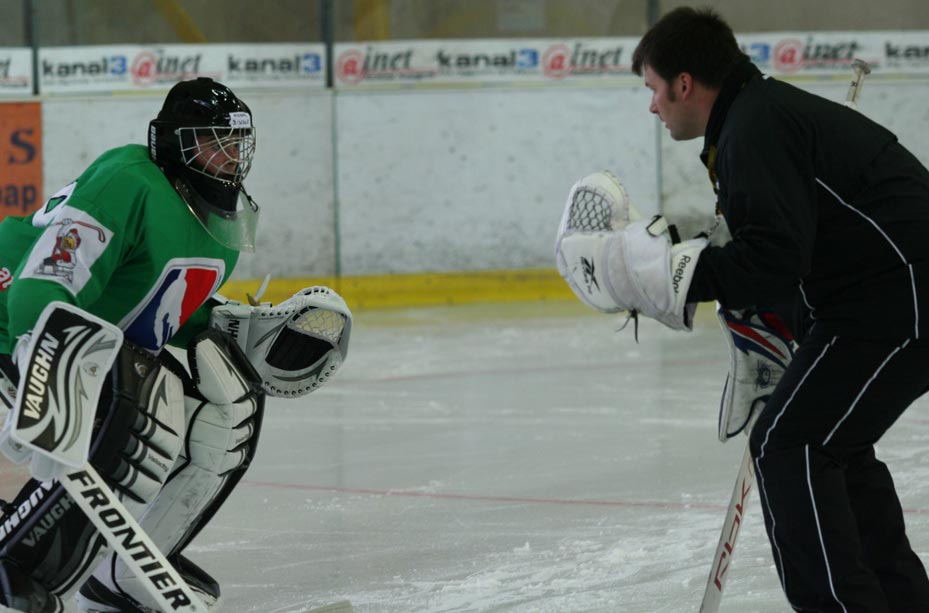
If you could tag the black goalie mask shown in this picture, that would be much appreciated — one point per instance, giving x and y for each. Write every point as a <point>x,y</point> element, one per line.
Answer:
<point>204,140</point>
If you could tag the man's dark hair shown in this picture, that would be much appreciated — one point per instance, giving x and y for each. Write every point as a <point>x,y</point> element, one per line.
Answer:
<point>691,40</point>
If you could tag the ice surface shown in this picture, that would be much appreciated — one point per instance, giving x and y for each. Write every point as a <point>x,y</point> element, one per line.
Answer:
<point>518,458</point>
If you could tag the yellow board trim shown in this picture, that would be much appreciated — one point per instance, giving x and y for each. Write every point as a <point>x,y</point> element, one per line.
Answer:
<point>185,27</point>
<point>371,19</point>
<point>411,290</point>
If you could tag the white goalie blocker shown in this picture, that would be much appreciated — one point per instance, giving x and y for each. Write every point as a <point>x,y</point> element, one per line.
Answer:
<point>614,260</point>
<point>295,346</point>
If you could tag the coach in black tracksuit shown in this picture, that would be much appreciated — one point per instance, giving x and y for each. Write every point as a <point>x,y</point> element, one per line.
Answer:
<point>828,211</point>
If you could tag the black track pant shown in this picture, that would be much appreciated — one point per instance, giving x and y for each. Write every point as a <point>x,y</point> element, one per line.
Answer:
<point>831,511</point>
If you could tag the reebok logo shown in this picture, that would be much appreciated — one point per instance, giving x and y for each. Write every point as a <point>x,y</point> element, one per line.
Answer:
<point>721,565</point>
<point>679,272</point>
<point>590,278</point>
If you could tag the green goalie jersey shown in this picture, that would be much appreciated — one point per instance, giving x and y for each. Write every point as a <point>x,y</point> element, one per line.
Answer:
<point>120,243</point>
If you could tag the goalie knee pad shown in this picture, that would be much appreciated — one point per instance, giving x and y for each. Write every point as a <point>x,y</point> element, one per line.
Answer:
<point>225,413</point>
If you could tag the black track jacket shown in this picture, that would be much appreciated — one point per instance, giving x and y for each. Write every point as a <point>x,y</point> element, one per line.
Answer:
<point>826,209</point>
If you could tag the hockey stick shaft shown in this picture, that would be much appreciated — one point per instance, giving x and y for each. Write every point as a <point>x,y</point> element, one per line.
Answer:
<point>129,540</point>
<point>861,69</point>
<point>719,572</point>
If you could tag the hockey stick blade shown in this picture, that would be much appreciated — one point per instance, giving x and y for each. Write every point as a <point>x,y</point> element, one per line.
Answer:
<point>130,542</point>
<point>744,483</point>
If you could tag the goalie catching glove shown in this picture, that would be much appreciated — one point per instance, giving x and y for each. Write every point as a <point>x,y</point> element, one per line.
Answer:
<point>760,349</point>
<point>295,346</point>
<point>614,260</point>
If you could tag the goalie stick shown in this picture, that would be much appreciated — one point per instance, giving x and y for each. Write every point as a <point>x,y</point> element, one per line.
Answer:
<point>732,526</point>
<point>123,533</point>
<point>745,479</point>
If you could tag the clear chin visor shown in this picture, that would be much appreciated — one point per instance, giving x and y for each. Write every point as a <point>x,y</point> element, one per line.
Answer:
<point>233,229</point>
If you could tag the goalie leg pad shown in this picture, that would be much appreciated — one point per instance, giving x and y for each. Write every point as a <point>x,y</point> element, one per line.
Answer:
<point>225,413</point>
<point>140,420</point>
<point>760,349</point>
<point>47,544</point>
<point>142,432</point>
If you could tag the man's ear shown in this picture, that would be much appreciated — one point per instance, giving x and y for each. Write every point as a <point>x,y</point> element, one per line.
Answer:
<point>684,83</point>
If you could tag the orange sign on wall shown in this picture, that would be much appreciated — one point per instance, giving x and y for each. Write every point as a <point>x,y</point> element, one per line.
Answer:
<point>20,157</point>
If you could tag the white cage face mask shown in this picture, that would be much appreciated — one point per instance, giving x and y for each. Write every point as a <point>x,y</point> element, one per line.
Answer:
<point>219,152</point>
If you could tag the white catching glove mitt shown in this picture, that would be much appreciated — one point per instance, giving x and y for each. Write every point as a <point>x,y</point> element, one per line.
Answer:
<point>597,206</point>
<point>615,261</point>
<point>760,349</point>
<point>295,346</point>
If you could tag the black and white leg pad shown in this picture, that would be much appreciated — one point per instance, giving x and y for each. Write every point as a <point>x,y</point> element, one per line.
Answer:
<point>224,410</point>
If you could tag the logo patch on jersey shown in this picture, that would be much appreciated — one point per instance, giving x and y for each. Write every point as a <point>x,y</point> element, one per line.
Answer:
<point>67,249</point>
<point>184,285</point>
<point>6,277</point>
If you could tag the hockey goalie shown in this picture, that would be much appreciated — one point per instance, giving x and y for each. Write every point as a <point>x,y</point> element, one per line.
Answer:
<point>96,284</point>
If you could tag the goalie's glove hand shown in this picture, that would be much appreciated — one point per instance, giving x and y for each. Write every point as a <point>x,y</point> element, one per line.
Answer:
<point>597,206</point>
<point>760,349</point>
<point>615,261</point>
<point>295,346</point>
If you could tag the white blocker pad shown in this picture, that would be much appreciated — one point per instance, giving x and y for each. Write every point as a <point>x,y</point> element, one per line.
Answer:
<point>63,365</point>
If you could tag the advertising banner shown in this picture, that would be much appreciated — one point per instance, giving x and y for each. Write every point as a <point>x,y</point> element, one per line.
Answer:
<point>605,60</point>
<point>481,61</point>
<point>890,54</point>
<point>15,72</point>
<point>20,157</point>
<point>130,68</point>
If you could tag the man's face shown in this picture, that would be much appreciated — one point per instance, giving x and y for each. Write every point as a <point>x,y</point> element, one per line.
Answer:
<point>218,159</point>
<point>670,101</point>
